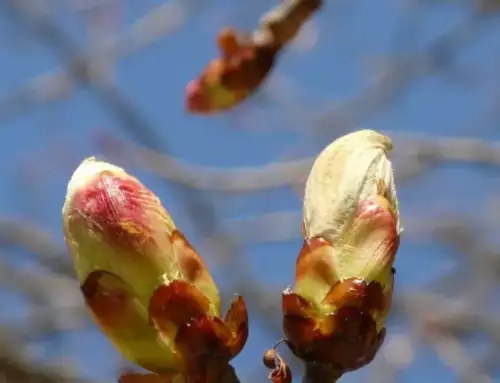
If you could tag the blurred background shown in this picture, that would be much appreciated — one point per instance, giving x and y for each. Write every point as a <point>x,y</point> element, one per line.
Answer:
<point>107,78</point>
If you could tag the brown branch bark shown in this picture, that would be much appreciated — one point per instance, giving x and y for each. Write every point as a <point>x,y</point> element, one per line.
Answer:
<point>281,24</point>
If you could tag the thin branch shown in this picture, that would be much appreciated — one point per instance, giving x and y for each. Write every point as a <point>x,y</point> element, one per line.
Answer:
<point>16,365</point>
<point>413,151</point>
<point>29,237</point>
<point>397,78</point>
<point>158,23</point>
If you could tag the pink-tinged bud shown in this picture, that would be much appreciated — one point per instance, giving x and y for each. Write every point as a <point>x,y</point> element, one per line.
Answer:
<point>145,285</point>
<point>344,276</point>
<point>197,99</point>
<point>230,79</point>
<point>207,94</point>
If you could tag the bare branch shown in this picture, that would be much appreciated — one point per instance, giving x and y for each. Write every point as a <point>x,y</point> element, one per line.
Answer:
<point>411,151</point>
<point>60,83</point>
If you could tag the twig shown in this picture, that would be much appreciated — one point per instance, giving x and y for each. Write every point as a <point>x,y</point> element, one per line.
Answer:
<point>418,151</point>
<point>58,83</point>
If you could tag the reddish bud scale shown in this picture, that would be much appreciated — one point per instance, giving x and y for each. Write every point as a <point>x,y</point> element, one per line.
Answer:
<point>109,302</point>
<point>312,260</point>
<point>355,292</point>
<point>206,343</point>
<point>346,336</point>
<point>177,303</point>
<point>191,264</point>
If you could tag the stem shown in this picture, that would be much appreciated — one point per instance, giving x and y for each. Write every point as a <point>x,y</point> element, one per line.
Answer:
<point>321,373</point>
<point>282,23</point>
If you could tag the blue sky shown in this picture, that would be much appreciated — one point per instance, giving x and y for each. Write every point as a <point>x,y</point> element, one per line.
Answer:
<point>354,39</point>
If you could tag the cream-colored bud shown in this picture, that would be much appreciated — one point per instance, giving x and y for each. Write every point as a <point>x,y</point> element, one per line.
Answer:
<point>348,171</point>
<point>344,271</point>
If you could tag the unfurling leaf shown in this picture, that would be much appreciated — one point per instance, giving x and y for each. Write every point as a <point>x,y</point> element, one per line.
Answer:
<point>145,285</point>
<point>335,315</point>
